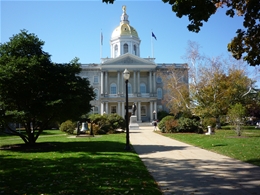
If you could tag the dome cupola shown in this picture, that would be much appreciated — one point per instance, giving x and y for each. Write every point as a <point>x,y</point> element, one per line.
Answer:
<point>124,38</point>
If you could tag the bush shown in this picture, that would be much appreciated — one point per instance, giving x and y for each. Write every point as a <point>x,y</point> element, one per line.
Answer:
<point>171,125</point>
<point>116,121</point>
<point>188,125</point>
<point>107,123</point>
<point>162,124</point>
<point>68,126</point>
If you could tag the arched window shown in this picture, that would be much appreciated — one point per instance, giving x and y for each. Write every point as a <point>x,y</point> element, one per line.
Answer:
<point>113,88</point>
<point>116,50</point>
<point>159,93</point>
<point>135,51</point>
<point>96,93</point>
<point>142,88</point>
<point>125,48</point>
<point>129,88</point>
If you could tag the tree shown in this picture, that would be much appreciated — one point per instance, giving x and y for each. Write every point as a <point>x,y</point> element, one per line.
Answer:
<point>216,90</point>
<point>36,92</point>
<point>236,116</point>
<point>176,88</point>
<point>246,44</point>
<point>215,83</point>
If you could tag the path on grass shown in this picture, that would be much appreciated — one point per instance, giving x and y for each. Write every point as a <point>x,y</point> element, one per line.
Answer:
<point>182,169</point>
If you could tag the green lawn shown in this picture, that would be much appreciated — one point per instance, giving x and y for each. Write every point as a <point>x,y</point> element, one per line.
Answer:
<point>64,165</point>
<point>245,148</point>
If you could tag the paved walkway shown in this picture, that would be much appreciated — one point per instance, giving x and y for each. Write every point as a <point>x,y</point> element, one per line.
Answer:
<point>182,169</point>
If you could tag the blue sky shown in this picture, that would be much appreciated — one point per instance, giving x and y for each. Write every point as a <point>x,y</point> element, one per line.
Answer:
<point>72,28</point>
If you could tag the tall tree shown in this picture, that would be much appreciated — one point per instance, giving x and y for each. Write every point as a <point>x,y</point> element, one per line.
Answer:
<point>176,88</point>
<point>246,44</point>
<point>36,92</point>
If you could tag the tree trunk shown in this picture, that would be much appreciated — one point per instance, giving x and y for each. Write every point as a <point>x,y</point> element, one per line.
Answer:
<point>218,123</point>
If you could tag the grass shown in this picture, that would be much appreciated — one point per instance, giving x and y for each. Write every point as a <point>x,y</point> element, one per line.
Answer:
<point>245,148</point>
<point>63,165</point>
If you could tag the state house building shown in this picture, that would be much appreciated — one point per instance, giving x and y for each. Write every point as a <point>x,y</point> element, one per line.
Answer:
<point>145,88</point>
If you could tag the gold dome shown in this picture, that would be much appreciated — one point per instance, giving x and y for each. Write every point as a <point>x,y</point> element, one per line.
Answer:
<point>124,28</point>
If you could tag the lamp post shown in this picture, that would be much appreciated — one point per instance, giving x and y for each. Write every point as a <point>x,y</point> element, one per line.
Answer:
<point>154,112</point>
<point>126,75</point>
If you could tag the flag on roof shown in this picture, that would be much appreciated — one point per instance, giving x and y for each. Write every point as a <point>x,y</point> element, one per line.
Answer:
<point>154,36</point>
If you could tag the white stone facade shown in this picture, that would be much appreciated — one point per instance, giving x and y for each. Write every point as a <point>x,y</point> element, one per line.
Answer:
<point>145,89</point>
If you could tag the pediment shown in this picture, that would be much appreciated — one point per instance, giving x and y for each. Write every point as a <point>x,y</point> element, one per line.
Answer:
<point>127,59</point>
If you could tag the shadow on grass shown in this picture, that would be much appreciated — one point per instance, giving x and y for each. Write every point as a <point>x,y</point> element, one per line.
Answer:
<point>67,147</point>
<point>98,167</point>
<point>254,161</point>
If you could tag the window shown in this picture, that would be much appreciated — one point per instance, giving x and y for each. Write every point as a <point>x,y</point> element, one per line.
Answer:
<point>96,93</point>
<point>129,88</point>
<point>159,93</point>
<point>95,110</point>
<point>125,48</point>
<point>142,88</point>
<point>95,79</point>
<point>143,110</point>
<point>113,88</point>
<point>159,80</point>
<point>113,109</point>
<point>135,52</point>
<point>116,50</point>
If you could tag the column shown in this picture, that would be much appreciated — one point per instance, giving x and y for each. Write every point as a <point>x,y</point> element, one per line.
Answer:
<point>123,84</point>
<point>150,82</point>
<point>138,82</point>
<point>154,82</point>
<point>106,82</point>
<point>123,109</point>
<point>106,107</point>
<point>118,110</point>
<point>155,108</point>
<point>139,118</point>
<point>118,82</point>
<point>134,92</point>
<point>102,83</point>
<point>102,108</point>
<point>151,111</point>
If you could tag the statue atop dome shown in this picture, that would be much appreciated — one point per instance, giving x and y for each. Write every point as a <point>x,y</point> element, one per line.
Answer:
<point>124,9</point>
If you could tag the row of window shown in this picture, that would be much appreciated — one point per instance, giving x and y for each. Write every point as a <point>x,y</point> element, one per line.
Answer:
<point>158,79</point>
<point>113,90</point>
<point>125,49</point>
<point>114,110</point>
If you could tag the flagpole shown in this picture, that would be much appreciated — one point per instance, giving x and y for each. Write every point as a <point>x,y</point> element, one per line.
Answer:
<point>151,43</point>
<point>101,45</point>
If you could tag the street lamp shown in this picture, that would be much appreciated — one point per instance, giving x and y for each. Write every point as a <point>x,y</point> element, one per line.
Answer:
<point>154,112</point>
<point>126,75</point>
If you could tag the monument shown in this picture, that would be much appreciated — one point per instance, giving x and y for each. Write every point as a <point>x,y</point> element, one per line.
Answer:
<point>133,119</point>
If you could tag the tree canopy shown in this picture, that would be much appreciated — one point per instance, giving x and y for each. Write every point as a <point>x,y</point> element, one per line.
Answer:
<point>246,43</point>
<point>37,92</point>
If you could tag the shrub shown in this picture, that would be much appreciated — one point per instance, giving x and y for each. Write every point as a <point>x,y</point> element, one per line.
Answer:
<point>68,126</point>
<point>162,123</point>
<point>116,122</point>
<point>188,125</point>
<point>171,125</point>
<point>107,123</point>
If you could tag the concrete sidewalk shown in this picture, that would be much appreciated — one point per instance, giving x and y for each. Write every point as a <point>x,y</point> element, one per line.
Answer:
<point>180,168</point>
